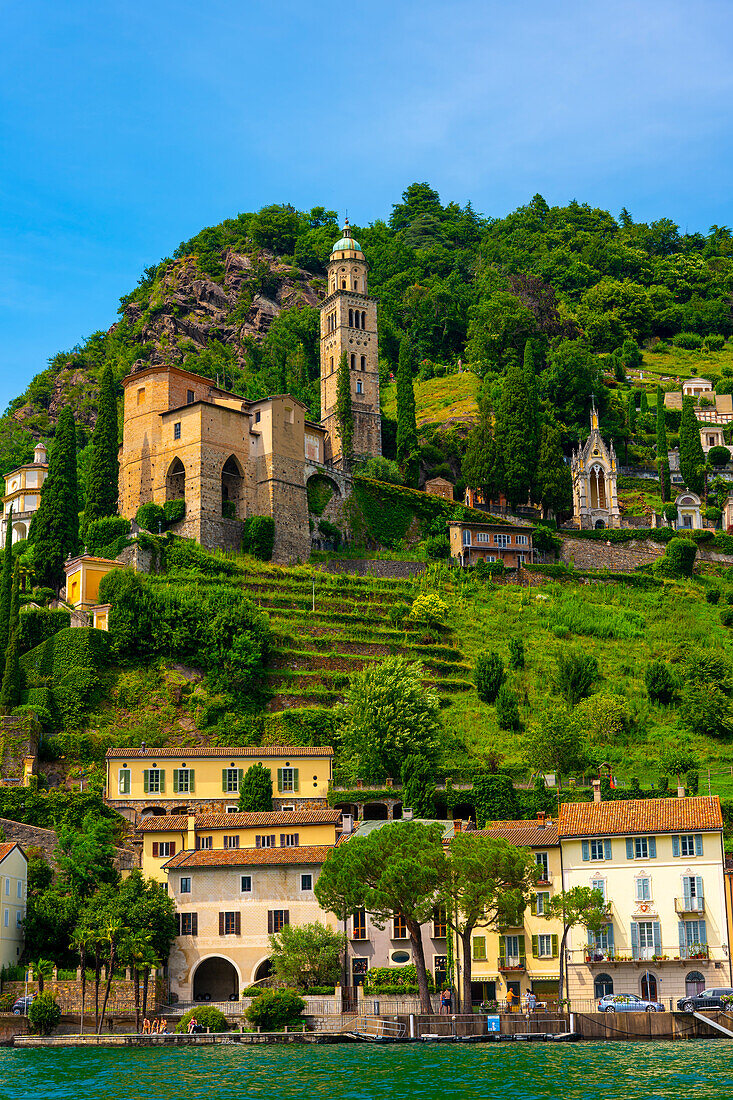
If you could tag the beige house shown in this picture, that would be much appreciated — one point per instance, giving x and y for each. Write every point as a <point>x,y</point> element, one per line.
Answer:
<point>206,779</point>
<point>228,904</point>
<point>472,542</point>
<point>23,494</point>
<point>659,865</point>
<point>710,407</point>
<point>13,896</point>
<point>164,837</point>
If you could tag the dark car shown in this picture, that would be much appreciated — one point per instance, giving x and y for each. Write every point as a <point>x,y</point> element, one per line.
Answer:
<point>21,1006</point>
<point>699,1002</point>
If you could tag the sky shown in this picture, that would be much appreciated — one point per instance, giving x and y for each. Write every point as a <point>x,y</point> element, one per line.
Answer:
<point>125,127</point>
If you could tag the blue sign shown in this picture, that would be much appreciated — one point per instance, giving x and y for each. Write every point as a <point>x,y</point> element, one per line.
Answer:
<point>493,1023</point>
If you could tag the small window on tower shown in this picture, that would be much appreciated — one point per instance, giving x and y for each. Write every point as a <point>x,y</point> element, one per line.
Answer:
<point>177,430</point>
<point>353,362</point>
<point>190,397</point>
<point>358,387</point>
<point>363,362</point>
<point>141,395</point>
<point>258,417</point>
<point>343,284</point>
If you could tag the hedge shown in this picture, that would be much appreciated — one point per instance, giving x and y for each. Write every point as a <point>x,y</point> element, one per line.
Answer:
<point>68,664</point>
<point>259,537</point>
<point>37,625</point>
<point>105,531</point>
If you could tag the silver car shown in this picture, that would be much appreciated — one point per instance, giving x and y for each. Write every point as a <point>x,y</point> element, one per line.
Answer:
<point>627,1002</point>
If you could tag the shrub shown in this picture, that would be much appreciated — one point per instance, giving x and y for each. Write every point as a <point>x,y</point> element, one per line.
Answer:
<point>689,341</point>
<point>507,709</point>
<point>319,491</point>
<point>516,653</point>
<point>150,517</point>
<point>330,532</point>
<point>381,469</point>
<point>718,456</point>
<point>670,512</point>
<point>712,513</point>
<point>726,616</point>
<point>259,537</point>
<point>546,541</point>
<point>678,559</point>
<point>660,683</point>
<point>44,1014</point>
<point>174,511</point>
<point>714,341</point>
<point>495,798</point>
<point>488,675</point>
<point>400,977</point>
<point>712,595</point>
<point>428,608</point>
<point>276,1010</point>
<point>703,536</point>
<point>37,626</point>
<point>576,674</point>
<point>207,1015</point>
<point>105,531</point>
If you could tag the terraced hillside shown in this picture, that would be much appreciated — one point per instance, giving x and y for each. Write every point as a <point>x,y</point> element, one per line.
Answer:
<point>327,627</point>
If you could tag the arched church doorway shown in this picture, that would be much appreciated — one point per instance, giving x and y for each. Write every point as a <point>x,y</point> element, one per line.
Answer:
<point>597,479</point>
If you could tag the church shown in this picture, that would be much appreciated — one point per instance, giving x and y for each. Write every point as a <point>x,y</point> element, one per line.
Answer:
<point>186,438</point>
<point>594,475</point>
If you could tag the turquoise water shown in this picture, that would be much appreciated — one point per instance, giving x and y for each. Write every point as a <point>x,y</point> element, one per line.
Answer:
<point>701,1070</point>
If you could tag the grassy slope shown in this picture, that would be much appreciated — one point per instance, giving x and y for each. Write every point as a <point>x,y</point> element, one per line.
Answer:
<point>438,399</point>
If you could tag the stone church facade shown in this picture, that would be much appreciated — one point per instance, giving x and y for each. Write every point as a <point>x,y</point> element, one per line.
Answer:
<point>594,475</point>
<point>185,438</point>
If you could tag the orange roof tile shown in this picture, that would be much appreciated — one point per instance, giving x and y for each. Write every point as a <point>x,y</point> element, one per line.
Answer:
<point>181,752</point>
<point>177,823</point>
<point>640,815</point>
<point>244,857</point>
<point>7,847</point>
<point>522,833</point>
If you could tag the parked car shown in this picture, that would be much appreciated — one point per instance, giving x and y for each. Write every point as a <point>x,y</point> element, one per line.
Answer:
<point>627,1002</point>
<point>21,1006</point>
<point>709,998</point>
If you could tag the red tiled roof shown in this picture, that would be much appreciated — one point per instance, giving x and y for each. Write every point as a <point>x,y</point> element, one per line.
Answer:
<point>181,752</point>
<point>179,822</point>
<point>522,833</point>
<point>641,815</point>
<point>244,857</point>
<point>6,849</point>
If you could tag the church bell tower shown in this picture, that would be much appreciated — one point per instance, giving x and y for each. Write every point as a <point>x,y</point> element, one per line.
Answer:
<point>349,324</point>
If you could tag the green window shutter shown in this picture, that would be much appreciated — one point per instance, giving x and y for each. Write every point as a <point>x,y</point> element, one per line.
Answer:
<point>240,777</point>
<point>146,780</point>
<point>607,850</point>
<point>224,780</point>
<point>502,947</point>
<point>698,844</point>
<point>586,850</point>
<point>279,779</point>
<point>521,946</point>
<point>296,787</point>
<point>554,945</point>
<point>533,905</point>
<point>175,780</point>
<point>162,780</point>
<point>536,947</point>
<point>191,785</point>
<point>652,847</point>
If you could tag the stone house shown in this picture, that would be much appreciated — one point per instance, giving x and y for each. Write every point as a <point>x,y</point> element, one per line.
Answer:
<point>440,487</point>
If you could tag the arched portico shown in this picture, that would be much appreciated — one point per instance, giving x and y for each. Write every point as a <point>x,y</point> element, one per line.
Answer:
<point>216,979</point>
<point>232,488</point>
<point>262,971</point>
<point>175,481</point>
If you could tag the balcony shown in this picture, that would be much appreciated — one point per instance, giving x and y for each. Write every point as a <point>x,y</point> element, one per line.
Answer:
<point>699,952</point>
<point>512,963</point>
<point>545,878</point>
<point>689,905</point>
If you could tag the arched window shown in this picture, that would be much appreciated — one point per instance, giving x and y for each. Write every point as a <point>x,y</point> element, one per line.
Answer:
<point>694,983</point>
<point>597,478</point>
<point>602,986</point>
<point>343,284</point>
<point>351,317</point>
<point>353,362</point>
<point>363,318</point>
<point>648,987</point>
<point>357,316</point>
<point>363,362</point>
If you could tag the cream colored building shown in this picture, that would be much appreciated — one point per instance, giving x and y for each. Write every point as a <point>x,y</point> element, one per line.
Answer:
<point>228,904</point>
<point>165,837</point>
<point>23,494</point>
<point>526,957</point>
<point>659,865</point>
<point>710,407</point>
<point>13,895</point>
<point>206,779</point>
<point>688,506</point>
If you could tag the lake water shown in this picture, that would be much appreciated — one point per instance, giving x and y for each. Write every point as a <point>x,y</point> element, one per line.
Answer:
<point>700,1070</point>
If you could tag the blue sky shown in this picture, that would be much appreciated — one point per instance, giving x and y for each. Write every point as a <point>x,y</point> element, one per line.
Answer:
<point>125,126</point>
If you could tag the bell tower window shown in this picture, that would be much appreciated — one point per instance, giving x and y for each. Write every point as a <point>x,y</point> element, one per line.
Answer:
<point>363,362</point>
<point>353,362</point>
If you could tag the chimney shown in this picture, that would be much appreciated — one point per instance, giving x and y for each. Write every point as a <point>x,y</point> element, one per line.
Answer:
<point>680,791</point>
<point>191,837</point>
<point>457,825</point>
<point>407,813</point>
<point>540,819</point>
<point>143,746</point>
<point>596,790</point>
<point>347,824</point>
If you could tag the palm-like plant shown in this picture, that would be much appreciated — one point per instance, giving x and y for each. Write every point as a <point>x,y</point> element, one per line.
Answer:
<point>41,970</point>
<point>82,940</point>
<point>111,936</point>
<point>136,950</point>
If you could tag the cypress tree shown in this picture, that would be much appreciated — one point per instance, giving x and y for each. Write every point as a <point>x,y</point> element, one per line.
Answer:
<point>14,609</point>
<point>406,422</point>
<point>553,486</point>
<point>643,403</point>
<point>344,413</point>
<point>54,529</point>
<point>103,475</point>
<point>692,456</point>
<point>662,451</point>
<point>12,678</point>
<point>631,410</point>
<point>6,584</point>
<point>516,431</point>
<point>481,467</point>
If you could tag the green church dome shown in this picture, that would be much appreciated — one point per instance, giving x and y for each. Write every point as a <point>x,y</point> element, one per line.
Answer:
<point>346,241</point>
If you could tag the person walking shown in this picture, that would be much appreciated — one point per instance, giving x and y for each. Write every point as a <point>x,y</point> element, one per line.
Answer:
<point>510,999</point>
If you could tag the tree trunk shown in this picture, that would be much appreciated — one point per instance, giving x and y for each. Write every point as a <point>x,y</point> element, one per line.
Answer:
<point>97,979</point>
<point>83,960</point>
<point>40,981</point>
<point>345,962</point>
<point>146,978</point>
<point>112,961</point>
<point>136,980</point>
<point>466,950</point>
<point>419,956</point>
<point>561,983</point>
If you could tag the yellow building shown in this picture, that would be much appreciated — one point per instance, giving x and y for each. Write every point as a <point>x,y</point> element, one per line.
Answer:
<point>23,494</point>
<point>13,894</point>
<point>659,865</point>
<point>206,779</point>
<point>83,577</point>
<point>164,837</point>
<point>523,958</point>
<point>228,904</point>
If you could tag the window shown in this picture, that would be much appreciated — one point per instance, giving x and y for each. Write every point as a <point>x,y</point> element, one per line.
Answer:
<point>483,536</point>
<point>306,882</point>
<point>123,780</point>
<point>521,540</point>
<point>204,842</point>
<point>245,884</point>
<point>353,362</point>
<point>177,430</point>
<point>597,849</point>
<point>7,917</point>
<point>543,865</point>
<point>540,903</point>
<point>18,919</point>
<point>600,944</point>
<point>479,948</point>
<point>164,849</point>
<point>641,847</point>
<point>513,951</point>
<point>600,885</point>
<point>230,779</point>
<point>232,809</point>
<point>466,538</point>
<point>189,924</point>
<point>190,397</point>
<point>287,780</point>
<point>230,924</point>
<point>7,886</point>
<point>264,841</point>
<point>358,387</point>
<point>692,891</point>
<point>231,841</point>
<point>544,947</point>
<point>687,845</point>
<point>20,889</point>
<point>363,362</point>
<point>153,781</point>
<point>276,920</point>
<point>258,414</point>
<point>644,888</point>
<point>693,939</point>
<point>351,318</point>
<point>141,395</point>
<point>440,969</point>
<point>359,969</point>
<point>289,840</point>
<point>182,780</point>
<point>439,924</point>
<point>185,885</point>
<point>399,928</point>
<point>502,540</point>
<point>646,939</point>
<point>358,925</point>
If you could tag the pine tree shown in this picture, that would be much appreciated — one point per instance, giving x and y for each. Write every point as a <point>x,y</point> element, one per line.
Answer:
<point>662,451</point>
<point>406,423</point>
<point>516,431</point>
<point>481,467</point>
<point>12,676</point>
<point>692,456</point>
<point>6,584</point>
<point>553,484</point>
<point>102,479</point>
<point>344,413</point>
<point>631,410</point>
<point>54,529</point>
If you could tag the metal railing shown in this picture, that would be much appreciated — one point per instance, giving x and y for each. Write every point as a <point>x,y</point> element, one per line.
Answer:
<point>374,1027</point>
<point>689,904</point>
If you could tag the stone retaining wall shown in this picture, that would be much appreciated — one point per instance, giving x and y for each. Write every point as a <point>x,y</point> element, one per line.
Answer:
<point>624,557</point>
<point>375,567</point>
<point>121,996</point>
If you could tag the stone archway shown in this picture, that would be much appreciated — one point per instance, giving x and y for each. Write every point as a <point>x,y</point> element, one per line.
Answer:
<point>232,489</point>
<point>215,979</point>
<point>263,971</point>
<point>175,481</point>
<point>376,811</point>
